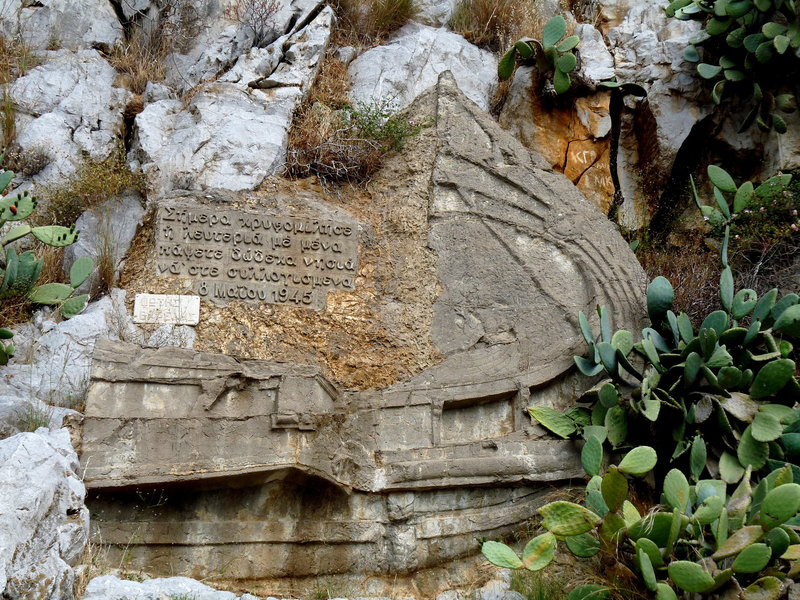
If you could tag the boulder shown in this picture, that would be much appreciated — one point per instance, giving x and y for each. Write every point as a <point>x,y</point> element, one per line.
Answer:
<point>106,234</point>
<point>44,524</point>
<point>597,64</point>
<point>412,61</point>
<point>67,108</point>
<point>234,132</point>
<point>68,24</point>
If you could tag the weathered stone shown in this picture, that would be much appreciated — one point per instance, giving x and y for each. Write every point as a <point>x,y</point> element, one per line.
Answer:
<point>471,246</point>
<point>411,62</point>
<point>68,108</point>
<point>597,64</point>
<point>234,132</point>
<point>111,588</point>
<point>44,524</point>
<point>69,24</point>
<point>106,234</point>
<point>574,137</point>
<point>435,12</point>
<point>20,413</point>
<point>162,308</point>
<point>648,49</point>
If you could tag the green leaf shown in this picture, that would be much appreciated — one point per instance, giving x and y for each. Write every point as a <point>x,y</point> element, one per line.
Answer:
<point>772,29</point>
<point>664,592</point>
<point>740,540</point>
<point>80,271</point>
<point>730,469</point>
<point>690,576</point>
<point>561,81</point>
<point>538,552</point>
<point>592,456</point>
<point>752,559</point>
<point>726,288</point>
<point>501,555</point>
<point>614,489</point>
<point>707,71</point>
<point>630,514</point>
<point>586,330</point>
<point>646,568</point>
<point>553,420</point>
<point>16,233</point>
<point>660,296</point>
<point>735,38</point>
<point>608,395</point>
<point>780,505</point>
<point>55,235</point>
<point>554,30</point>
<point>772,377</point>
<point>766,427</point>
<point>524,49</point>
<point>73,306</point>
<point>584,545</point>
<point>568,518</point>
<point>616,422</point>
<point>568,43</point>
<point>718,26</point>
<point>505,68</point>
<point>766,588</point>
<point>622,340</point>
<point>567,62</point>
<point>789,321</point>
<point>743,303</point>
<point>50,293</point>
<point>744,196</point>
<point>587,367</point>
<point>676,490</point>
<point>720,178</point>
<point>690,54</point>
<point>781,43</point>
<point>750,451</point>
<point>751,43</point>
<point>697,458</point>
<point>639,461</point>
<point>765,52</point>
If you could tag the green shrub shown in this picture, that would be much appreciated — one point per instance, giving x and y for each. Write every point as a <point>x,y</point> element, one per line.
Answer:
<point>746,47</point>
<point>20,272</point>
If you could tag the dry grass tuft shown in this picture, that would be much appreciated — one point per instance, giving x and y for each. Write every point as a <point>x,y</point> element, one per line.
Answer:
<point>496,24</point>
<point>94,183</point>
<point>16,59</point>
<point>141,57</point>
<point>369,22</point>
<point>693,270</point>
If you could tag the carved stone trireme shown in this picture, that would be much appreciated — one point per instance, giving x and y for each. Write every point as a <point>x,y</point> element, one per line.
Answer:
<point>204,464</point>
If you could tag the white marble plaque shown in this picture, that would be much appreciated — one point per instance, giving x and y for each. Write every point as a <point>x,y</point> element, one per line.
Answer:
<point>166,308</point>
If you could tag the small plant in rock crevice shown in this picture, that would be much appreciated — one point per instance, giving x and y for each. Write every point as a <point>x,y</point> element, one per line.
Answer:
<point>368,22</point>
<point>257,15</point>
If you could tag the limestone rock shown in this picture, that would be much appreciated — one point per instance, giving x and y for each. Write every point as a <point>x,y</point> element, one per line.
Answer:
<point>574,137</point>
<point>44,524</point>
<point>220,40</point>
<point>435,12</point>
<point>58,355</point>
<point>412,61</point>
<point>69,107</point>
<point>106,234</point>
<point>648,49</point>
<point>234,132</point>
<point>69,24</point>
<point>109,587</point>
<point>20,413</point>
<point>597,64</point>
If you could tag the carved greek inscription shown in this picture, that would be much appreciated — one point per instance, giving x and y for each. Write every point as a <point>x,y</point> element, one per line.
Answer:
<point>161,308</point>
<point>255,257</point>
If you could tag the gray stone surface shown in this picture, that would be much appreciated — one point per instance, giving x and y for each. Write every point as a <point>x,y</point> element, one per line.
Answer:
<point>435,12</point>
<point>648,49</point>
<point>234,131</point>
<point>68,108</point>
<point>44,524</point>
<point>106,234</point>
<point>111,588</point>
<point>597,64</point>
<point>68,24</point>
<point>411,62</point>
<point>393,478</point>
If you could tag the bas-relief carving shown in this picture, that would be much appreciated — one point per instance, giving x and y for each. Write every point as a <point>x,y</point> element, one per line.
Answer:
<point>269,470</point>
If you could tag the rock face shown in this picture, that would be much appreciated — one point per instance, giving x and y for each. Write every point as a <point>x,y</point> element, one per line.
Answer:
<point>111,588</point>
<point>70,24</point>
<point>573,136</point>
<point>234,132</point>
<point>106,234</point>
<point>407,66</point>
<point>472,246</point>
<point>68,107</point>
<point>44,524</point>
